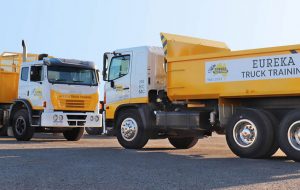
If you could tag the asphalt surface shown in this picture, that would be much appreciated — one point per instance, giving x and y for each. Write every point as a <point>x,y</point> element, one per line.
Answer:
<point>50,162</point>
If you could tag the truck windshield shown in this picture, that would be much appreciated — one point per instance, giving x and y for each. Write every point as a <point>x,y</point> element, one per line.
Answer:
<point>68,75</point>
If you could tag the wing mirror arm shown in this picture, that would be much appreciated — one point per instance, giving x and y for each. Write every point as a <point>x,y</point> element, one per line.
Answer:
<point>105,58</point>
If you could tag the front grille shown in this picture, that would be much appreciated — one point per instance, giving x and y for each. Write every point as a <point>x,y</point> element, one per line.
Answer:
<point>79,117</point>
<point>74,103</point>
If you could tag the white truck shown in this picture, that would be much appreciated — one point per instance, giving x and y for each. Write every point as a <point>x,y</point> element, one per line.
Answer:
<point>47,95</point>
<point>192,87</point>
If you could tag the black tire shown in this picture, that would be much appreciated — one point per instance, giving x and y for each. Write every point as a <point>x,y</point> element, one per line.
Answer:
<point>137,141</point>
<point>183,143</point>
<point>21,127</point>
<point>74,134</point>
<point>275,124</point>
<point>283,135</point>
<point>264,141</point>
<point>94,130</point>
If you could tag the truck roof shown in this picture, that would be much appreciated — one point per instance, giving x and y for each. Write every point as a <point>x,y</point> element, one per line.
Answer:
<point>64,63</point>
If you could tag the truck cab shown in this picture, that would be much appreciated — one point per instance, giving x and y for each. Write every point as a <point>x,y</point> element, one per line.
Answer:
<point>134,77</point>
<point>128,80</point>
<point>56,95</point>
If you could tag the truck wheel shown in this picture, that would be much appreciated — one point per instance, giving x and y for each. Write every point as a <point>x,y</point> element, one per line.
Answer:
<point>275,124</point>
<point>183,143</point>
<point>130,130</point>
<point>289,135</point>
<point>74,134</point>
<point>21,127</point>
<point>250,134</point>
<point>94,130</point>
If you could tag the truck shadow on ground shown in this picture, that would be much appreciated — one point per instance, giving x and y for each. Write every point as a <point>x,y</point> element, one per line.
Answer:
<point>12,140</point>
<point>150,168</point>
<point>45,138</point>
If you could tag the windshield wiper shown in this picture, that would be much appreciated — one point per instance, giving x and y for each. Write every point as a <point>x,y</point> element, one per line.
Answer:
<point>58,80</point>
<point>77,80</point>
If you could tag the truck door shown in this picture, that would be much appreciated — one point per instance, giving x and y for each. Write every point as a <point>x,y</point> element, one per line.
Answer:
<point>35,88</point>
<point>23,89</point>
<point>118,85</point>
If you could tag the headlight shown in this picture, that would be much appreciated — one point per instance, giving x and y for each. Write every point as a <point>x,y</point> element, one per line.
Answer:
<point>55,117</point>
<point>60,118</point>
<point>97,118</point>
<point>92,118</point>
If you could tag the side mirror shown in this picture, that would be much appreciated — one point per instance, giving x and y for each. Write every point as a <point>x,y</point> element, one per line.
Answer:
<point>112,84</point>
<point>105,59</point>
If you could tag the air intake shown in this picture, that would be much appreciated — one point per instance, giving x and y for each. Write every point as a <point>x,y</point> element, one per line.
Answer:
<point>42,56</point>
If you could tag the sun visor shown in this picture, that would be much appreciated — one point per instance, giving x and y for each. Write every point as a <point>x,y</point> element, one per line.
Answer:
<point>69,63</point>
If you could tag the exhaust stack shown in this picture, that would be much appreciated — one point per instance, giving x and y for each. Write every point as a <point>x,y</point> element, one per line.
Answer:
<point>24,51</point>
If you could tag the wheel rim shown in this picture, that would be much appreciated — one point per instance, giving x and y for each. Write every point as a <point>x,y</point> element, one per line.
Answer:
<point>294,135</point>
<point>244,133</point>
<point>129,129</point>
<point>20,125</point>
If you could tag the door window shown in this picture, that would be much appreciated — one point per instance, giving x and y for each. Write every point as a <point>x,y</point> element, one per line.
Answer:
<point>24,73</point>
<point>36,73</point>
<point>119,67</point>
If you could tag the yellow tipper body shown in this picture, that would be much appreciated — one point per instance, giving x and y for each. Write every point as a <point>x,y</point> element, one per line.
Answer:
<point>9,74</point>
<point>203,69</point>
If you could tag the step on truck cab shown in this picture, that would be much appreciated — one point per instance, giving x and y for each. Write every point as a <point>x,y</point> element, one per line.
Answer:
<point>192,87</point>
<point>48,95</point>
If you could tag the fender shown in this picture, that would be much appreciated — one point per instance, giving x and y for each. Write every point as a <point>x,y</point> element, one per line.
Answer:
<point>145,111</point>
<point>19,103</point>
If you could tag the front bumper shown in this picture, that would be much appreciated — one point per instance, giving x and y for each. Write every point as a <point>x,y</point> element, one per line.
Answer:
<point>61,119</point>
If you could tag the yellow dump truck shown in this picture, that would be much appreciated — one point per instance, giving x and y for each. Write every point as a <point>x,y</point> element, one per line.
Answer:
<point>192,87</point>
<point>45,94</point>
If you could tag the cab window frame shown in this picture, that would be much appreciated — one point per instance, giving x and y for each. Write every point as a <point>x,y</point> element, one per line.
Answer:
<point>24,74</point>
<point>110,66</point>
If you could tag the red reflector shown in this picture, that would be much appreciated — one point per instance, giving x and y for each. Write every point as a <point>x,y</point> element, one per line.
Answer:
<point>44,104</point>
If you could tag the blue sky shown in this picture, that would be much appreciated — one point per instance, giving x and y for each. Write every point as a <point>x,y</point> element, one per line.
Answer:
<point>84,29</point>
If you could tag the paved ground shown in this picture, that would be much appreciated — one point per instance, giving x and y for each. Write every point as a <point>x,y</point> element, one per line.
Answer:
<point>100,163</point>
